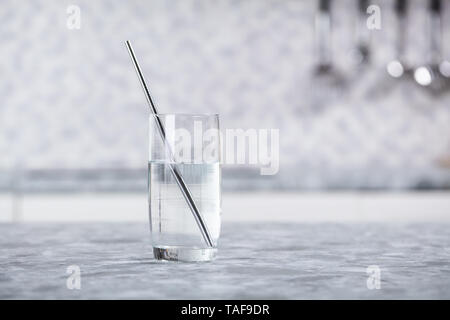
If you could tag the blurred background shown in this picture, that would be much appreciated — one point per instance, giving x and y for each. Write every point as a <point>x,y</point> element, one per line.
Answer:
<point>360,91</point>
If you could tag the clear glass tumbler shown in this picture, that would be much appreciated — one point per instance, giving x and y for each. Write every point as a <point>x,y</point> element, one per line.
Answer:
<point>190,145</point>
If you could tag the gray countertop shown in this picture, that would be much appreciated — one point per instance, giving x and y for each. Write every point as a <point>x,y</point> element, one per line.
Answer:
<point>256,261</point>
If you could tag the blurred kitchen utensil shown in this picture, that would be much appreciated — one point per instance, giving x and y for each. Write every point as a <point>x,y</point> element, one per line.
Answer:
<point>361,54</point>
<point>328,83</point>
<point>174,169</point>
<point>398,68</point>
<point>435,75</point>
<point>397,74</point>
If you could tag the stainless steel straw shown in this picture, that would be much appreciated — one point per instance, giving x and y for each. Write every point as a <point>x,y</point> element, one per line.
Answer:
<point>176,173</point>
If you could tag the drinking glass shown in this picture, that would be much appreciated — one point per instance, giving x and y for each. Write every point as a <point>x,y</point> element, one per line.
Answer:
<point>190,144</point>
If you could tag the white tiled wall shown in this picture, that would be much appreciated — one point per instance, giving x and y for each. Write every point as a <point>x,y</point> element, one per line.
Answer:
<point>70,98</point>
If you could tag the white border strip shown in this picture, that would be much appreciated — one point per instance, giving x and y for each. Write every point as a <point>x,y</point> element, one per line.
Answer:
<point>244,206</point>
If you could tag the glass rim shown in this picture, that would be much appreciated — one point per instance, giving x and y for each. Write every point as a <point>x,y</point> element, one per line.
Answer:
<point>193,115</point>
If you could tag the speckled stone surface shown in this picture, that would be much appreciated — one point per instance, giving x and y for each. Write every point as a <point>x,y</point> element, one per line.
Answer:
<point>280,261</point>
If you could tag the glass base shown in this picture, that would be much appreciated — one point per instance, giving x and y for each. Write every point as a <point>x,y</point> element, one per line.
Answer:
<point>187,254</point>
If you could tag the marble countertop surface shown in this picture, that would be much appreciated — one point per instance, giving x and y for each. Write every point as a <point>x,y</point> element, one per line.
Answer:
<point>256,261</point>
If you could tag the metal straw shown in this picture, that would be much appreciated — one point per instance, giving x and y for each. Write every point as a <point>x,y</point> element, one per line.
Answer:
<point>173,168</point>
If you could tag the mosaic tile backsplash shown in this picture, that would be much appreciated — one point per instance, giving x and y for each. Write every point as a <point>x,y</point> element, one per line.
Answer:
<point>70,98</point>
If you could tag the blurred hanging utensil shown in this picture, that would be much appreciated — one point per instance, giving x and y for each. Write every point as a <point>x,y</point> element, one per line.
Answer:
<point>398,68</point>
<point>444,64</point>
<point>361,54</point>
<point>435,75</point>
<point>387,79</point>
<point>327,82</point>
